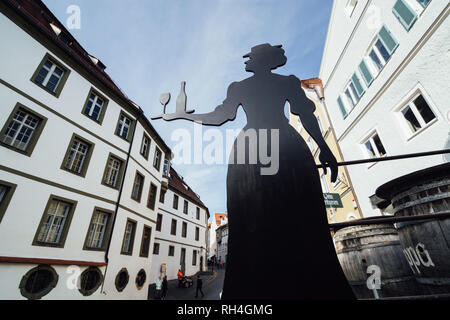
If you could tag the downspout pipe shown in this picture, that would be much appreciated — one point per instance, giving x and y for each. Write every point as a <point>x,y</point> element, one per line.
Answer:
<point>119,197</point>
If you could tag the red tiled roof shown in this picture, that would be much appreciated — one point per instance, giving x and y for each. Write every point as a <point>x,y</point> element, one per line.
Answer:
<point>177,183</point>
<point>219,217</point>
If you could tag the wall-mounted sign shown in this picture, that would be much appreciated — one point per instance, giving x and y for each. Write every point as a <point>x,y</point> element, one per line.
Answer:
<point>332,200</point>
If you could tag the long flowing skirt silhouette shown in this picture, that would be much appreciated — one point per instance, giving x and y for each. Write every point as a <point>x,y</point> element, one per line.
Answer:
<point>280,245</point>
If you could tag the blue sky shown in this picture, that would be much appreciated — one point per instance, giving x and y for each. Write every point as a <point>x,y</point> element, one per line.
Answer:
<point>149,47</point>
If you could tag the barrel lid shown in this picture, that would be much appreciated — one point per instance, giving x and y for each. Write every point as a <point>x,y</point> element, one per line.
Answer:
<point>392,188</point>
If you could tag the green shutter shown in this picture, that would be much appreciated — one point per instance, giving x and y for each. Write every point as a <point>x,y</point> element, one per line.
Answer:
<point>404,13</point>
<point>368,78</point>
<point>341,107</point>
<point>388,40</point>
<point>359,88</point>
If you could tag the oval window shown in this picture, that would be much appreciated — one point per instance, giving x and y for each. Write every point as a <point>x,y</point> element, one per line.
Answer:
<point>91,279</point>
<point>122,279</point>
<point>38,282</point>
<point>140,278</point>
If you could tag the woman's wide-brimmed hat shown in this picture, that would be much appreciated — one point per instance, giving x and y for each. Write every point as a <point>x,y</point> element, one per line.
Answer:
<point>259,48</point>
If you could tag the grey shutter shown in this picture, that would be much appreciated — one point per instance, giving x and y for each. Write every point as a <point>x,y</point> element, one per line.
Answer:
<point>365,72</point>
<point>404,13</point>
<point>388,40</point>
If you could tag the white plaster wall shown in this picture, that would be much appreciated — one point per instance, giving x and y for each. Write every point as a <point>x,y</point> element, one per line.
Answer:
<point>428,69</point>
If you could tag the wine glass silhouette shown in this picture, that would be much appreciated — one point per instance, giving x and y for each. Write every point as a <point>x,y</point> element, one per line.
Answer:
<point>164,100</point>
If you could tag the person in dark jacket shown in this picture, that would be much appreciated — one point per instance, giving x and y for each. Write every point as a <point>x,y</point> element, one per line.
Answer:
<point>199,286</point>
<point>164,288</point>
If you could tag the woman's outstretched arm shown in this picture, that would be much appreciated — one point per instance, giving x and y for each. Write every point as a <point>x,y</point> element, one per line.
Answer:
<point>221,114</point>
<point>303,107</point>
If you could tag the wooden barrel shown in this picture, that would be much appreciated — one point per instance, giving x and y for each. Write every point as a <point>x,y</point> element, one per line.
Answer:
<point>426,243</point>
<point>367,252</point>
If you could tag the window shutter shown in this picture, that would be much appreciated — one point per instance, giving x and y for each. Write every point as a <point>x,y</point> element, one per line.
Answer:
<point>368,78</point>
<point>341,107</point>
<point>404,13</point>
<point>359,88</point>
<point>388,40</point>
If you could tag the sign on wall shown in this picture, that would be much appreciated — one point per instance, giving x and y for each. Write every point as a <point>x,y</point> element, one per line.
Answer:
<point>332,200</point>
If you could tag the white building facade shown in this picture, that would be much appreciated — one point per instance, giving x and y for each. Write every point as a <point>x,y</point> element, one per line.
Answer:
<point>180,238</point>
<point>385,69</point>
<point>81,169</point>
<point>222,242</point>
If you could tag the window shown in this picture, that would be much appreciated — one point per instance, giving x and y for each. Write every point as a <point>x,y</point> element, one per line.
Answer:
<point>141,277</point>
<point>50,75</point>
<point>137,187</point>
<point>152,196</point>
<point>373,146</point>
<point>350,6</point>
<point>113,172</point>
<point>417,114</point>
<point>156,248</point>
<point>162,195</point>
<point>157,159</point>
<point>198,213</point>
<point>311,144</point>
<point>197,233</point>
<point>77,156</point>
<point>166,168</point>
<point>378,55</point>
<point>91,279</point>
<point>194,257</point>
<point>124,126</point>
<point>145,146</point>
<point>95,106</point>
<point>122,279</point>
<point>54,225</point>
<point>352,94</point>
<point>184,230</point>
<point>159,222</point>
<point>99,230</point>
<point>128,238</point>
<point>300,125</point>
<point>145,243</point>
<point>38,282</point>
<point>6,192</point>
<point>408,11</point>
<point>173,227</point>
<point>171,251</point>
<point>22,130</point>
<point>175,201</point>
<point>185,207</point>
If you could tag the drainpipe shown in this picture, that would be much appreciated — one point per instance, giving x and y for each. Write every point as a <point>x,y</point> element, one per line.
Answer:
<point>119,197</point>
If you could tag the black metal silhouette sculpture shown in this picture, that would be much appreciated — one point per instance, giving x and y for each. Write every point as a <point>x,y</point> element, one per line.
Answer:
<point>279,243</point>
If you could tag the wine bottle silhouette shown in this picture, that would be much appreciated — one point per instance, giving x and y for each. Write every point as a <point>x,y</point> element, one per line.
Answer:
<point>181,100</point>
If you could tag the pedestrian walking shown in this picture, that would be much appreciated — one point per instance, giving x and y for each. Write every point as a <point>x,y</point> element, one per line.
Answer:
<point>158,287</point>
<point>221,263</point>
<point>164,288</point>
<point>180,278</point>
<point>199,287</point>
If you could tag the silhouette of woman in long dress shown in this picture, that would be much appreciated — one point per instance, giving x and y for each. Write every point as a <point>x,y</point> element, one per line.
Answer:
<point>277,222</point>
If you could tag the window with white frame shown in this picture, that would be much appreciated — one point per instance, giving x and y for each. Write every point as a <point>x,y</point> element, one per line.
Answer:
<point>97,230</point>
<point>378,55</point>
<point>417,114</point>
<point>350,6</point>
<point>145,146</point>
<point>94,106</point>
<point>137,187</point>
<point>185,207</point>
<point>408,11</point>
<point>49,75</point>
<point>320,124</point>
<point>352,94</point>
<point>324,183</point>
<point>123,127</point>
<point>311,144</point>
<point>373,146</point>
<point>300,125</point>
<point>157,158</point>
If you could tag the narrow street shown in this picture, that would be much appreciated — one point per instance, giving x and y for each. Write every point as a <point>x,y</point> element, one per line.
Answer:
<point>212,287</point>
